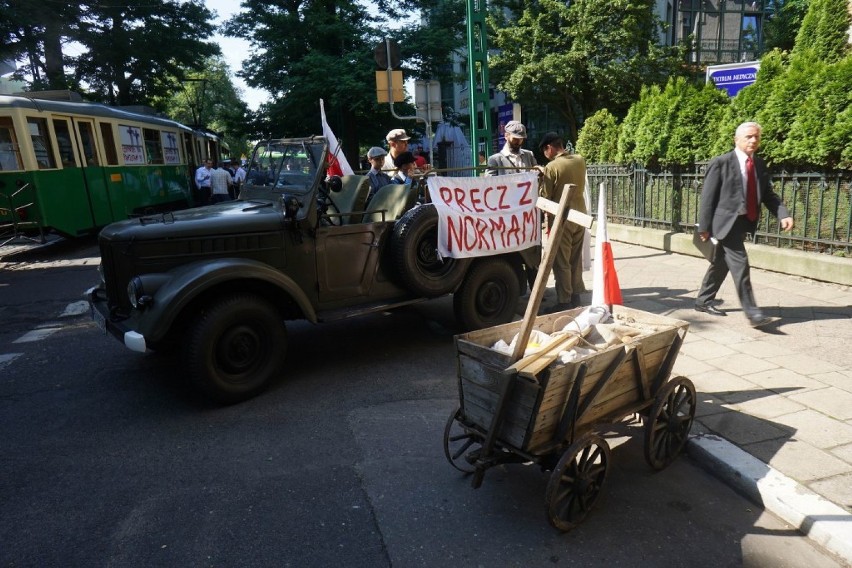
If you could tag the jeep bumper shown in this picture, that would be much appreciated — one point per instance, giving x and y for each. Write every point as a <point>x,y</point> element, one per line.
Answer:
<point>120,329</point>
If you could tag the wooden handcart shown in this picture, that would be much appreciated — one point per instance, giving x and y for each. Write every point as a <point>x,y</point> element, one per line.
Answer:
<point>513,411</point>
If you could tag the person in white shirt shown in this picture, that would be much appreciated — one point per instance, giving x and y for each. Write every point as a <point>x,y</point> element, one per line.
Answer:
<point>202,182</point>
<point>220,181</point>
<point>239,177</point>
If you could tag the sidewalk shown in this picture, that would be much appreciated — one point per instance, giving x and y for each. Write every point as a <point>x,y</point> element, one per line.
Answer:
<point>774,404</point>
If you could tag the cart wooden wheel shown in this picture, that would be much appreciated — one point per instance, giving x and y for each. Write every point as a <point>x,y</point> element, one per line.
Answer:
<point>576,481</point>
<point>669,422</point>
<point>459,443</point>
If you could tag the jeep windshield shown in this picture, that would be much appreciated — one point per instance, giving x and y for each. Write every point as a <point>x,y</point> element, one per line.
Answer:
<point>285,166</point>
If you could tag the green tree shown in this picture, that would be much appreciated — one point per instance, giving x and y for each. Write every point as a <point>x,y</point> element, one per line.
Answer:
<point>306,50</point>
<point>825,31</point>
<point>627,141</point>
<point>819,131</point>
<point>135,47</point>
<point>209,99</point>
<point>783,24</point>
<point>598,139</point>
<point>697,116</point>
<point>30,32</point>
<point>581,56</point>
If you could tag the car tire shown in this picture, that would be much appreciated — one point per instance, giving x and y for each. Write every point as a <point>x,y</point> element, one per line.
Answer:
<point>236,346</point>
<point>415,253</point>
<point>488,295</point>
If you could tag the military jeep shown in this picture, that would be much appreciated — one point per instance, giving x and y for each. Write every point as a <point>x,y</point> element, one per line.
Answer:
<point>218,282</point>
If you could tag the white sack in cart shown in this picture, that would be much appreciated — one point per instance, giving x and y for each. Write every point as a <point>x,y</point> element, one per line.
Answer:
<point>581,325</point>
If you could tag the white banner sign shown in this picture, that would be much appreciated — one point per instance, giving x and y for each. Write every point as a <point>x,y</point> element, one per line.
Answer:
<point>482,216</point>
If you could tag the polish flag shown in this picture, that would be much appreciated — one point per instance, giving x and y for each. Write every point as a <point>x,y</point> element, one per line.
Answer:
<point>605,288</point>
<point>333,149</point>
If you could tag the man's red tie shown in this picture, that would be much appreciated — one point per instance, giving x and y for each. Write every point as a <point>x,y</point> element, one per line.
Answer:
<point>751,190</point>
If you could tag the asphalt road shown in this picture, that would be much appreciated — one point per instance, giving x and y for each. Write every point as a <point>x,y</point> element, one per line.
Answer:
<point>108,458</point>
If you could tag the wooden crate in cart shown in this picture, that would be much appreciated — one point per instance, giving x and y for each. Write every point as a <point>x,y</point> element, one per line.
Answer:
<point>551,417</point>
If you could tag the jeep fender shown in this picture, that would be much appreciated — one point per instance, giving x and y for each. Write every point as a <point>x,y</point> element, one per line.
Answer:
<point>191,280</point>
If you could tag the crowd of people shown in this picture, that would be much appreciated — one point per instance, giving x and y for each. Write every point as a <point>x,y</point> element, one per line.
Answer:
<point>219,183</point>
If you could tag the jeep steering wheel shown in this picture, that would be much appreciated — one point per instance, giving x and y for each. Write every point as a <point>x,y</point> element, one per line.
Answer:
<point>324,200</point>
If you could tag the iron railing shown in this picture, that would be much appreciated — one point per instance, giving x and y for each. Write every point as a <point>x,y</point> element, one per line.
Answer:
<point>819,202</point>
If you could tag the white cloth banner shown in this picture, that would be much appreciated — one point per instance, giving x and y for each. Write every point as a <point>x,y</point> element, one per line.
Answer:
<point>482,216</point>
<point>333,147</point>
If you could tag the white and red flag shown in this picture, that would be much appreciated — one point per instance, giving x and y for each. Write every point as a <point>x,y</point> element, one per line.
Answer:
<point>605,288</point>
<point>336,158</point>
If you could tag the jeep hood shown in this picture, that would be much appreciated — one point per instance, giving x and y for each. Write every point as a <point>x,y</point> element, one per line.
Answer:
<point>232,217</point>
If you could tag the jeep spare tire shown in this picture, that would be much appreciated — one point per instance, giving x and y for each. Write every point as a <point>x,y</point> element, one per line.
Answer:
<point>415,254</point>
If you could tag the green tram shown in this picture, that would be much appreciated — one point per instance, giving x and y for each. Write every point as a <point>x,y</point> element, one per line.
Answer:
<point>74,167</point>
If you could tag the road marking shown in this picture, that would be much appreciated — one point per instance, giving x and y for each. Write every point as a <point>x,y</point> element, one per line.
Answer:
<point>7,358</point>
<point>37,335</point>
<point>75,309</point>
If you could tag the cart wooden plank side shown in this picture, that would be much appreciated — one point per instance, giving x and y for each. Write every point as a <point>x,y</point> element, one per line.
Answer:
<point>551,418</point>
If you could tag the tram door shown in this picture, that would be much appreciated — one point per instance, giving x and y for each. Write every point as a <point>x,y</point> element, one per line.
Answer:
<point>69,205</point>
<point>94,174</point>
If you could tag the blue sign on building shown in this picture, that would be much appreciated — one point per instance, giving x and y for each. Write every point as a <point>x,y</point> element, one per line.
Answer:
<point>733,77</point>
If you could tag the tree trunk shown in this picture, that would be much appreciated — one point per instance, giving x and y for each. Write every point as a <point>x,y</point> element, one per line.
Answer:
<point>54,66</point>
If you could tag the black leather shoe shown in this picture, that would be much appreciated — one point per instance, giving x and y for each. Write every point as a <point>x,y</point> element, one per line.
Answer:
<point>708,309</point>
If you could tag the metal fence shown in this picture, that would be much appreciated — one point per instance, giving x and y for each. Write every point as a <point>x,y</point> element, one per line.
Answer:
<point>820,204</point>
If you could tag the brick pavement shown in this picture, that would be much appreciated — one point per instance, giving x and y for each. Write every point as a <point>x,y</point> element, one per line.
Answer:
<point>783,394</point>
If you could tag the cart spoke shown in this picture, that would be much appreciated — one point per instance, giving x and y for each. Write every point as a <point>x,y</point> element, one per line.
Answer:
<point>461,451</point>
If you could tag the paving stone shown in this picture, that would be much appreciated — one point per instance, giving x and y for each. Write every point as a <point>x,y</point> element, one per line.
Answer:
<point>805,364</point>
<point>704,349</point>
<point>688,366</point>
<point>743,429</point>
<point>817,429</point>
<point>831,401</point>
<point>843,452</point>
<point>799,460</point>
<point>742,364</point>
<point>784,381</point>
<point>768,407</point>
<point>840,379</point>
<point>709,404</point>
<point>759,348</point>
<point>836,489</point>
<point>722,384</point>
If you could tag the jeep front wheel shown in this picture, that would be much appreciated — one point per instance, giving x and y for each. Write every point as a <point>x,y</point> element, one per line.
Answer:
<point>236,347</point>
<point>488,295</point>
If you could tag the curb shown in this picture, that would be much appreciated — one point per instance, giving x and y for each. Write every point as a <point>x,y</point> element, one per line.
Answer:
<point>817,518</point>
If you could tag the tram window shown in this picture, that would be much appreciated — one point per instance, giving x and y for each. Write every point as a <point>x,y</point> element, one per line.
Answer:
<point>152,145</point>
<point>41,143</point>
<point>187,149</point>
<point>171,148</point>
<point>109,143</point>
<point>10,153</point>
<point>87,138</point>
<point>131,136</point>
<point>63,140</point>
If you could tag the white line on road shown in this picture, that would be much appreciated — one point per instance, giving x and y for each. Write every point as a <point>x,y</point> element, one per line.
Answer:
<point>37,335</point>
<point>7,358</point>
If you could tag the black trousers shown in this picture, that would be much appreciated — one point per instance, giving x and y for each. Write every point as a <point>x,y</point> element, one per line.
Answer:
<point>730,256</point>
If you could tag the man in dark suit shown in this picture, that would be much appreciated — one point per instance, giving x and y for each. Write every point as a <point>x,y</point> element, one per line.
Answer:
<point>735,185</point>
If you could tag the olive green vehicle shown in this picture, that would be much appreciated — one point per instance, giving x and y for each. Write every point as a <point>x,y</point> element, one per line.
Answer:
<point>219,282</point>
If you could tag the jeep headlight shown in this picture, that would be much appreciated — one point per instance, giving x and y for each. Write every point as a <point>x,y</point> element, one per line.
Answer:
<point>136,293</point>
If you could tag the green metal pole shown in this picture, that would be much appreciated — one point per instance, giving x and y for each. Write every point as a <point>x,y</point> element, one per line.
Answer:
<point>477,53</point>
